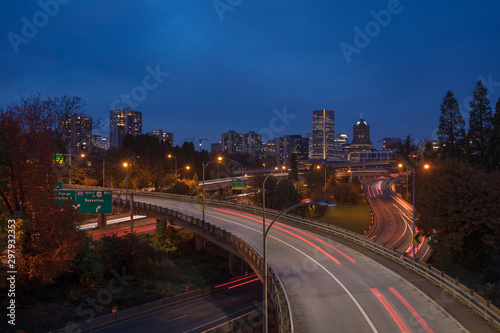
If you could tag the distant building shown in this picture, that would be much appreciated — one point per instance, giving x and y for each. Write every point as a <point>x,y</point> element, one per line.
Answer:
<point>360,139</point>
<point>163,136</point>
<point>216,147</point>
<point>391,143</point>
<point>122,122</point>
<point>77,131</point>
<point>323,129</point>
<point>341,146</point>
<point>252,144</point>
<point>310,140</point>
<point>376,156</point>
<point>282,149</point>
<point>100,142</point>
<point>232,142</point>
<point>435,144</point>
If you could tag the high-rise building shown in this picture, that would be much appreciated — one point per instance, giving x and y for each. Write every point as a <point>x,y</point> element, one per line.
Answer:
<point>163,136</point>
<point>232,142</point>
<point>341,139</point>
<point>77,131</point>
<point>123,122</point>
<point>310,141</point>
<point>360,139</point>
<point>100,142</point>
<point>391,143</point>
<point>323,128</point>
<point>282,148</point>
<point>252,144</point>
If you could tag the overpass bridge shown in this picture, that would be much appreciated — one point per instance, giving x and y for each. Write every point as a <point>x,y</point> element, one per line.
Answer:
<point>320,282</point>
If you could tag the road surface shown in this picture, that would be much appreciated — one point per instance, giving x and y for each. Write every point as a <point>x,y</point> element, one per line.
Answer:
<point>330,287</point>
<point>394,219</point>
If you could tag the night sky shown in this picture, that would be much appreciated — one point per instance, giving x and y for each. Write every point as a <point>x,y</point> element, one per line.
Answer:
<point>200,68</point>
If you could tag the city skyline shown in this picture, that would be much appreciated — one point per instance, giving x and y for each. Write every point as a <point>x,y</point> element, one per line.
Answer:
<point>197,70</point>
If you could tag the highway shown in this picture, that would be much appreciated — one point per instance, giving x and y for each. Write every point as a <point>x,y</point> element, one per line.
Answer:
<point>394,219</point>
<point>330,287</point>
<point>244,295</point>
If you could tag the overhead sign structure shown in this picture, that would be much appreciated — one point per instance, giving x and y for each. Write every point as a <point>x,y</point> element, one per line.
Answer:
<point>201,199</point>
<point>417,238</point>
<point>238,184</point>
<point>93,202</point>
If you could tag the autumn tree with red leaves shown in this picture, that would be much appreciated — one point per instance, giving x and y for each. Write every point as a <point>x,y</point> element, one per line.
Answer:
<point>47,240</point>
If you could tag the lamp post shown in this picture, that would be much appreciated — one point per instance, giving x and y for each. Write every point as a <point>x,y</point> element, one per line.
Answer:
<point>172,156</point>
<point>227,158</point>
<point>126,165</point>
<point>426,166</point>
<point>264,235</point>
<point>266,232</point>
<point>324,167</point>
<point>204,164</point>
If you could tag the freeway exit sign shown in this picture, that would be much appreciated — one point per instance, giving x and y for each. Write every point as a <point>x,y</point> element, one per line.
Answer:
<point>238,184</point>
<point>94,202</point>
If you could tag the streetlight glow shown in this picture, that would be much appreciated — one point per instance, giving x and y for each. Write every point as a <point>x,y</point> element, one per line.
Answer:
<point>125,164</point>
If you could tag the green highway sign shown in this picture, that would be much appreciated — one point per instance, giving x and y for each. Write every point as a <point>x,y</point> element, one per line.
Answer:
<point>94,202</point>
<point>59,185</point>
<point>62,196</point>
<point>238,184</point>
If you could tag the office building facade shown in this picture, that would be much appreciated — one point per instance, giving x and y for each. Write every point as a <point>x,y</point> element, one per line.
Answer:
<point>77,131</point>
<point>323,134</point>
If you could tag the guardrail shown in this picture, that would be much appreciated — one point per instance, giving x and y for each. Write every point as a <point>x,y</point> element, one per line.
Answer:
<point>484,307</point>
<point>276,290</point>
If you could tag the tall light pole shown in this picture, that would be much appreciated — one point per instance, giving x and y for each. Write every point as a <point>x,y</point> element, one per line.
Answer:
<point>126,165</point>
<point>172,156</point>
<point>426,166</point>
<point>266,232</point>
<point>204,164</point>
<point>227,158</point>
<point>324,167</point>
<point>264,235</point>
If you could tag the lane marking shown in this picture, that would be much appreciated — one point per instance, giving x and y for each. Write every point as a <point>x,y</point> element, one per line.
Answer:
<point>302,232</point>
<point>410,308</point>
<point>395,316</point>
<point>351,296</point>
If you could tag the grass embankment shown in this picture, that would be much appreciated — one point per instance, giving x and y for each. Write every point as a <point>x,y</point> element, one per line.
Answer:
<point>354,217</point>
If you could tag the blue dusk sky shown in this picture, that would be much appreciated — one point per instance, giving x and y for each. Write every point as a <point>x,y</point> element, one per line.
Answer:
<point>200,68</point>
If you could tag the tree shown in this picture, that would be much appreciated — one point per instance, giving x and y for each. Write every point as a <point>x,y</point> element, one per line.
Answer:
<point>479,124</point>
<point>458,207</point>
<point>451,130</point>
<point>407,149</point>
<point>47,238</point>
<point>293,174</point>
<point>491,159</point>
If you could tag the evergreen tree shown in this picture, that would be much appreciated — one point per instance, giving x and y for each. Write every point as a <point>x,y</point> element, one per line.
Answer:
<point>451,130</point>
<point>479,124</point>
<point>492,154</point>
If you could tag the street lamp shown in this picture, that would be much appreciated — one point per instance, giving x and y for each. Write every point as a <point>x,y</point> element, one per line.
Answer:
<point>227,158</point>
<point>204,164</point>
<point>319,167</point>
<point>266,232</point>
<point>264,241</point>
<point>126,164</point>
<point>172,156</point>
<point>408,166</point>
